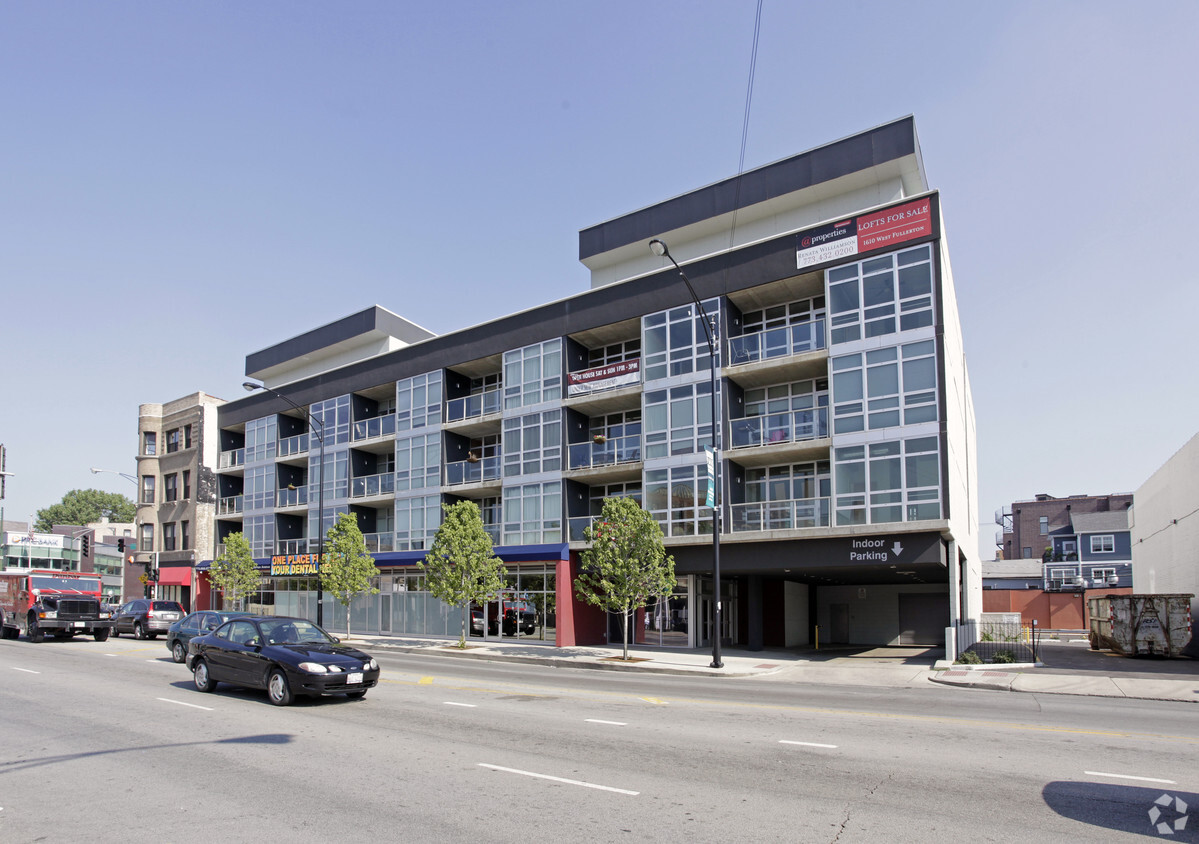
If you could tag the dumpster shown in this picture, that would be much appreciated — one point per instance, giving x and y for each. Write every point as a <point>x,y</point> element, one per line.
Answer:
<point>1135,625</point>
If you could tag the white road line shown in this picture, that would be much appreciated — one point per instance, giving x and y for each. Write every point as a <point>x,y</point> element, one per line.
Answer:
<point>559,779</point>
<point>1128,777</point>
<point>808,744</point>
<point>181,703</point>
<point>612,723</point>
<point>26,670</point>
<point>468,705</point>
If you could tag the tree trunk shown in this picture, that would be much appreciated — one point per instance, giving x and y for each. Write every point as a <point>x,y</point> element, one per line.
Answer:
<point>347,622</point>
<point>462,635</point>
<point>624,623</point>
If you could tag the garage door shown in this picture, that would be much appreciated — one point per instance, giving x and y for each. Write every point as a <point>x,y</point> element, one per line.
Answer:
<point>923,619</point>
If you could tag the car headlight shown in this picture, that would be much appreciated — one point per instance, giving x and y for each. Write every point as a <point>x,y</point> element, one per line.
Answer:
<point>372,665</point>
<point>105,615</point>
<point>47,614</point>
<point>313,667</point>
<point>334,669</point>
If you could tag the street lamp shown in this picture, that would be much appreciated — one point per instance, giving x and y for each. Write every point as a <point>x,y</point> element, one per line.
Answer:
<point>127,477</point>
<point>710,332</point>
<point>320,511</point>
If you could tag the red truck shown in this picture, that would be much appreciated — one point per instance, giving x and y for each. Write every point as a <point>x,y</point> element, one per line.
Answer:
<point>61,603</point>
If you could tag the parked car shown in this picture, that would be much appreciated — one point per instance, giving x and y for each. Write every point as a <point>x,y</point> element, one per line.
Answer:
<point>285,656</point>
<point>517,617</point>
<point>195,624</point>
<point>476,621</point>
<point>146,618</point>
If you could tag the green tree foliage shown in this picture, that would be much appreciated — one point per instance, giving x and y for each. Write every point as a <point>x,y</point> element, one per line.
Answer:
<point>626,564</point>
<point>461,568</point>
<point>347,570</point>
<point>234,572</point>
<point>84,506</point>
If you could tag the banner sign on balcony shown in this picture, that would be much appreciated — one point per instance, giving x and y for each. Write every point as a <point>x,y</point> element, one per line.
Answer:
<point>875,230</point>
<point>292,565</point>
<point>604,377</point>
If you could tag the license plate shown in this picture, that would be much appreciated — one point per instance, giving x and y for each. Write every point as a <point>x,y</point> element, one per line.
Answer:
<point>80,624</point>
<point>352,679</point>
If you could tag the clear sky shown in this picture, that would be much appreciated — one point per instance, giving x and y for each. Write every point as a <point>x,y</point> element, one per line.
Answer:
<point>182,184</point>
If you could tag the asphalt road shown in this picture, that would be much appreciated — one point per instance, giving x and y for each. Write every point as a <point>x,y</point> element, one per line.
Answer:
<point>110,742</point>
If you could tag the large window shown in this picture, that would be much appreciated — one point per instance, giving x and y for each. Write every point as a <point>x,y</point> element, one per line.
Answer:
<point>261,439</point>
<point>170,487</point>
<point>675,341</point>
<point>187,484</point>
<point>533,443</point>
<point>259,488</point>
<point>334,414</point>
<point>336,475</point>
<point>676,496</point>
<point>678,420</point>
<point>891,481</point>
<point>416,522</point>
<point>260,534</point>
<point>533,514</point>
<point>885,388</point>
<point>145,542</point>
<point>174,440</point>
<point>149,443</point>
<point>418,462</point>
<point>185,536</point>
<point>418,401</point>
<point>168,536</point>
<point>1103,544</point>
<point>147,489</point>
<point>879,296</point>
<point>533,375</point>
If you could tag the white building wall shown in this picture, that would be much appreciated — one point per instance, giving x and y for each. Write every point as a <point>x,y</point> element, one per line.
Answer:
<point>798,630</point>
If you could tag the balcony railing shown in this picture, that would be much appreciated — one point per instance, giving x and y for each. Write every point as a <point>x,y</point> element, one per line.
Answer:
<point>230,505</point>
<point>293,445</point>
<point>470,472</point>
<point>372,486</point>
<point>777,342</point>
<point>494,532</point>
<point>291,497</point>
<point>773,428</point>
<point>576,526</point>
<point>291,546</point>
<point>589,455</point>
<point>780,515</point>
<point>231,459</point>
<point>378,426</point>
<point>377,542</point>
<point>470,407</point>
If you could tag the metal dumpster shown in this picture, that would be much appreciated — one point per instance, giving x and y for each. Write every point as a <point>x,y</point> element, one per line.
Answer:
<point>1135,625</point>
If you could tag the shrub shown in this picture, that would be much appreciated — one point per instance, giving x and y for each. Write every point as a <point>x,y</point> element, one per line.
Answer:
<point>968,658</point>
<point>1004,656</point>
<point>987,636</point>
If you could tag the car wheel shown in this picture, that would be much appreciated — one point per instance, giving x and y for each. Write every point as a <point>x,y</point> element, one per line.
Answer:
<point>278,689</point>
<point>138,632</point>
<point>201,678</point>
<point>116,633</point>
<point>358,695</point>
<point>151,635</point>
<point>34,631</point>
<point>101,635</point>
<point>178,652</point>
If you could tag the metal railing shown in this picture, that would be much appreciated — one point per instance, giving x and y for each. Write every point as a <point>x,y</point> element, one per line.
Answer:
<point>230,505</point>
<point>232,458</point>
<point>469,407</point>
<point>287,547</point>
<point>297,444</point>
<point>608,453</point>
<point>998,642</point>
<point>371,486</point>
<point>378,542</point>
<point>469,472</point>
<point>793,514</point>
<point>777,342</point>
<point>291,497</point>
<point>773,428</point>
<point>378,426</point>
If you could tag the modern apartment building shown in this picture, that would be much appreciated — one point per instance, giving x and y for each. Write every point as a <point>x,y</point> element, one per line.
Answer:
<point>844,433</point>
<point>176,497</point>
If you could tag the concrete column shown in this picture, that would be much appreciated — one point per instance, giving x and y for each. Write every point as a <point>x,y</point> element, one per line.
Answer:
<point>755,619</point>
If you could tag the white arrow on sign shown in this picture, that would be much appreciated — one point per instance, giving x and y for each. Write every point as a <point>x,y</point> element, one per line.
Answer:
<point>896,549</point>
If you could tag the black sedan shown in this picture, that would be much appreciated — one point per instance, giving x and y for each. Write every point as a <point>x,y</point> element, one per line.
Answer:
<point>285,656</point>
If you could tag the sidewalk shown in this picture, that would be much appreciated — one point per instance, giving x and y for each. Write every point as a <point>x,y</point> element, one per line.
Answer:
<point>883,667</point>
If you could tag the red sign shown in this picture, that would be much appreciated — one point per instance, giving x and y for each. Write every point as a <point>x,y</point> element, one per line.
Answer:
<point>895,225</point>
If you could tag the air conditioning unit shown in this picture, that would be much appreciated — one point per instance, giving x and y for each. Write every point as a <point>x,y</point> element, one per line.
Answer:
<point>1056,585</point>
<point>1078,581</point>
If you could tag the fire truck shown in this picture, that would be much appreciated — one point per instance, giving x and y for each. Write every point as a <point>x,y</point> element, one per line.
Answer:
<point>58,603</point>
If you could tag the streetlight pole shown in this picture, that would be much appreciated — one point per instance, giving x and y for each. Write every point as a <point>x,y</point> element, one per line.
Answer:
<point>710,332</point>
<point>320,511</point>
<point>136,524</point>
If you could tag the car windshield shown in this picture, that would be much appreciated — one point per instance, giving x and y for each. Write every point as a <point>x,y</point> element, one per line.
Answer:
<point>293,631</point>
<point>66,584</point>
<point>167,606</point>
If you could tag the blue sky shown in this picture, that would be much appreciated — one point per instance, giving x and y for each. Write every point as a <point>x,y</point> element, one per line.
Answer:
<point>183,184</point>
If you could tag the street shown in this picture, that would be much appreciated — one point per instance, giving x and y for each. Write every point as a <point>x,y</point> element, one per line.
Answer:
<point>110,741</point>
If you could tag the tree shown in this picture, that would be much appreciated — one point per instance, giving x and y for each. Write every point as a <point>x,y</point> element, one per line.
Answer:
<point>626,564</point>
<point>84,506</point>
<point>347,570</point>
<point>461,568</point>
<point>234,572</point>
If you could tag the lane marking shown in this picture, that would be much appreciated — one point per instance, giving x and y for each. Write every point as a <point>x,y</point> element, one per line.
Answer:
<point>808,744</point>
<point>612,723</point>
<point>181,703</point>
<point>425,681</point>
<point>1128,777</point>
<point>559,779</point>
<point>468,705</point>
<point>26,670</point>
<point>656,701</point>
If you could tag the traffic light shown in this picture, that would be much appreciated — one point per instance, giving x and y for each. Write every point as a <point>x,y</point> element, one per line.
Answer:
<point>86,545</point>
<point>121,545</point>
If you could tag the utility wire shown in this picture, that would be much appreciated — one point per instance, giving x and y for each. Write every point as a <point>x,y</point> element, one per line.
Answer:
<point>749,96</point>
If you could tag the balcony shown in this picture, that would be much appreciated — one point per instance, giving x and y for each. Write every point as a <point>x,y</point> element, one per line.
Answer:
<point>291,497</point>
<point>233,459</point>
<point>379,542</point>
<point>473,407</point>
<point>576,526</point>
<point>293,446</point>
<point>472,471</point>
<point>777,428</point>
<point>291,547</point>
<point>618,458</point>
<point>373,486</point>
<point>794,514</point>
<point>231,505</point>
<point>777,342</point>
<point>374,428</point>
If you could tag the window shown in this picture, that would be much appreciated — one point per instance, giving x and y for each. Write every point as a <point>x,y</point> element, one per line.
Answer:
<point>893,481</point>
<point>533,375</point>
<point>1102,576</point>
<point>418,462</point>
<point>899,387</point>
<point>333,414</point>
<point>146,541</point>
<point>418,401</point>
<point>1104,544</point>
<point>616,353</point>
<point>678,420</point>
<point>147,489</point>
<point>865,299</point>
<point>676,342</point>
<point>533,514</point>
<point>261,439</point>
<point>170,487</point>
<point>174,440</point>
<point>1044,520</point>
<point>168,536</point>
<point>1027,552</point>
<point>676,496</point>
<point>416,522</point>
<point>259,488</point>
<point>187,436</point>
<point>533,443</point>
<point>149,443</point>
<point>187,484</point>
<point>185,536</point>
